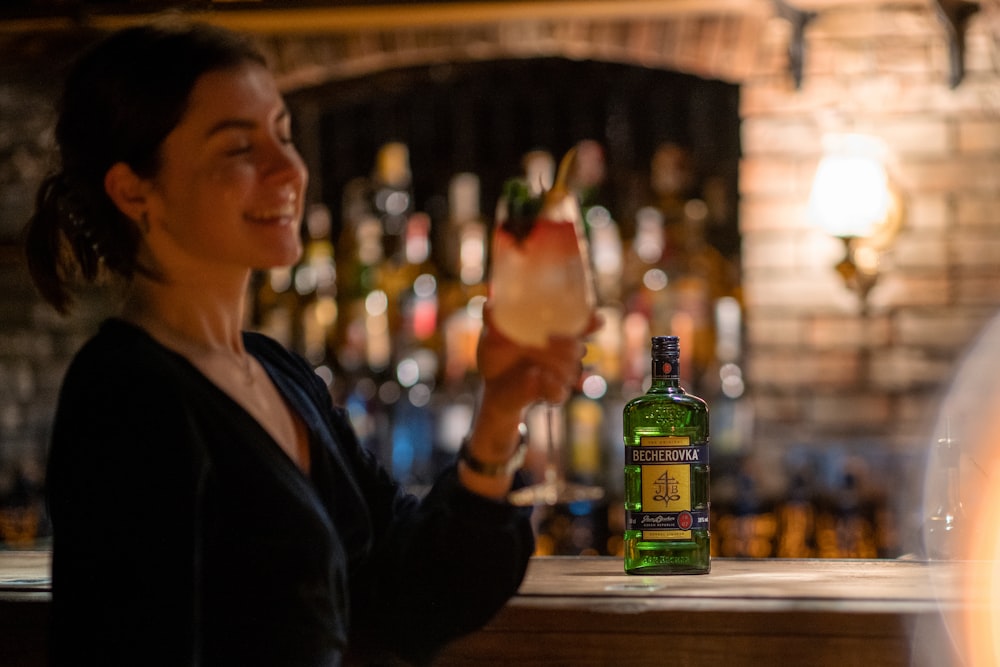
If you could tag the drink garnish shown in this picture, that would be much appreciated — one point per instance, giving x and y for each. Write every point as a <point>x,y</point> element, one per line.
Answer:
<point>523,206</point>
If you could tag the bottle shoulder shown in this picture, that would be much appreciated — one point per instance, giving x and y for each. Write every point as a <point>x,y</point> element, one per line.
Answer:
<point>684,401</point>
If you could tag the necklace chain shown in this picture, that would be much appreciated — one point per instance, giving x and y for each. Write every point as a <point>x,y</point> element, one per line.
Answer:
<point>245,364</point>
<point>243,361</point>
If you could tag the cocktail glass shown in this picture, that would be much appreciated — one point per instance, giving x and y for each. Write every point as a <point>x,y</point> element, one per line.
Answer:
<point>541,286</point>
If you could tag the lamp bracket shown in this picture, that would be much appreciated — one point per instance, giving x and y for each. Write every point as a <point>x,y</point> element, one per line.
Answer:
<point>799,18</point>
<point>858,276</point>
<point>954,15</point>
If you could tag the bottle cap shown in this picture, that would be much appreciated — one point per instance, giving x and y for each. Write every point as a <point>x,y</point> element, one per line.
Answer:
<point>666,345</point>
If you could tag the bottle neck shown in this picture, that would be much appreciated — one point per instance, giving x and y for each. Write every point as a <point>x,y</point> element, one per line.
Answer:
<point>953,496</point>
<point>665,372</point>
<point>948,458</point>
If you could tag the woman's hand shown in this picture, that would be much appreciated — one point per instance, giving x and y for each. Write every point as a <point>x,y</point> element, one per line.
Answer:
<point>515,377</point>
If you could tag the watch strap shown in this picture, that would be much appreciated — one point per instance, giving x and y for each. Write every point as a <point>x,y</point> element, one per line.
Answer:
<point>508,467</point>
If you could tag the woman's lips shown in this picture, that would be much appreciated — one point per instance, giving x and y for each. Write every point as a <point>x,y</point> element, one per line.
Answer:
<point>280,215</point>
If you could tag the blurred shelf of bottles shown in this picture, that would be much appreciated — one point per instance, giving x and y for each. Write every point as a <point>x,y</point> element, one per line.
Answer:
<point>392,323</point>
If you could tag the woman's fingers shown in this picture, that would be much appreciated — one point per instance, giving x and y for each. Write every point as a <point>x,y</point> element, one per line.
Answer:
<point>496,353</point>
<point>558,365</point>
<point>535,376</point>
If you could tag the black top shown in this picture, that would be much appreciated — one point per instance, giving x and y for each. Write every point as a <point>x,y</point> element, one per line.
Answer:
<point>183,534</point>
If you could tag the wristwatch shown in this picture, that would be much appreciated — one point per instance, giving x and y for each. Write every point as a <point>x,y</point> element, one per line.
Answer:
<point>508,467</point>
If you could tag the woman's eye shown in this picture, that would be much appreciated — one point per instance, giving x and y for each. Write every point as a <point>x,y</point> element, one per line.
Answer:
<point>242,149</point>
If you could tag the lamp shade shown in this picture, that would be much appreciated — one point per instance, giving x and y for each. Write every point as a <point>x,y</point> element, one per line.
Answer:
<point>850,194</point>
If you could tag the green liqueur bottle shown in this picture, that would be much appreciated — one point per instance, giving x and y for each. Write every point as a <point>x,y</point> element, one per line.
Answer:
<point>666,473</point>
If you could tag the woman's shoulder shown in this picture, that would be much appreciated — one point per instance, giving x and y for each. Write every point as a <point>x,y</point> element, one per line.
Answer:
<point>121,378</point>
<point>120,350</point>
<point>116,347</point>
<point>122,365</point>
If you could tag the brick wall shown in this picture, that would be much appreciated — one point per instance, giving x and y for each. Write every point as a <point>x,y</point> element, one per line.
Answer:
<point>28,373</point>
<point>821,371</point>
<point>816,361</point>
<point>35,344</point>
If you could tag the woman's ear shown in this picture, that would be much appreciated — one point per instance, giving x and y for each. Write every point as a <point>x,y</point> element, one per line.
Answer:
<point>128,191</point>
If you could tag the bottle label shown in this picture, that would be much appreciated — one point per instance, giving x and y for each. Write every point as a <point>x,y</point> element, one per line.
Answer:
<point>665,368</point>
<point>665,463</point>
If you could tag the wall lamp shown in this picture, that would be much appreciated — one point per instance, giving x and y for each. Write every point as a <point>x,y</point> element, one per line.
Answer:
<point>854,199</point>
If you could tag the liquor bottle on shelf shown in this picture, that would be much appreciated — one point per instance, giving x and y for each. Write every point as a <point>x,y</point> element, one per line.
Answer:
<point>457,393</point>
<point>732,415</point>
<point>363,329</point>
<point>635,334</point>
<point>315,283</point>
<point>413,418</point>
<point>407,236</point>
<point>666,439</point>
<point>412,287</point>
<point>539,171</point>
<point>944,529</point>
<point>586,178</point>
<point>645,277</point>
<point>417,358</point>
<point>672,179</point>
<point>606,254</point>
<point>645,295</point>
<point>465,248</point>
<point>463,292</point>
<point>275,304</point>
<point>392,198</point>
<point>461,338</point>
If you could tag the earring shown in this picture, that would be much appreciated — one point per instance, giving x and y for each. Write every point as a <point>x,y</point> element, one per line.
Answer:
<point>143,222</point>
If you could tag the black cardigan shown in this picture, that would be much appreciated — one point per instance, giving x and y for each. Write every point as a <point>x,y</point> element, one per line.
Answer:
<point>183,535</point>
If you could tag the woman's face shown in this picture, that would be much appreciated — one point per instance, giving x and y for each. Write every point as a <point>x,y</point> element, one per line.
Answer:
<point>230,188</point>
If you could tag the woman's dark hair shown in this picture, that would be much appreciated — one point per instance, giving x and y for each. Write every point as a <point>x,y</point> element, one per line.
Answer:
<point>120,101</point>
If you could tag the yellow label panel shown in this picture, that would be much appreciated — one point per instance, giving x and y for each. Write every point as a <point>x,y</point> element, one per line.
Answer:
<point>666,488</point>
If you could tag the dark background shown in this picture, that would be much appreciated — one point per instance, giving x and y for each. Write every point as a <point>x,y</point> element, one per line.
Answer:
<point>483,117</point>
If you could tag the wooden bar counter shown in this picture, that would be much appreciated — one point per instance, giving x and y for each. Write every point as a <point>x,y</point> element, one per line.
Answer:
<point>586,611</point>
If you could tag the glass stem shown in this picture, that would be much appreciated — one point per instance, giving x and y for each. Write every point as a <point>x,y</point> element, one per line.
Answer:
<point>552,467</point>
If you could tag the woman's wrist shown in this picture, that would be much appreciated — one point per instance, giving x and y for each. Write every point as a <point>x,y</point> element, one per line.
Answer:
<point>492,468</point>
<point>490,456</point>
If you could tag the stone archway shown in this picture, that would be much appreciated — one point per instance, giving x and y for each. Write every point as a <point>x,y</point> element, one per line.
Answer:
<point>727,47</point>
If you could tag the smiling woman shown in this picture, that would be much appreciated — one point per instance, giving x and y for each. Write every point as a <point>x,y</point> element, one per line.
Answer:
<point>257,530</point>
<point>230,182</point>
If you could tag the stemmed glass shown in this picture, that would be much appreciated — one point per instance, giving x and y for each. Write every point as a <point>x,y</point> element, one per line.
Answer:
<point>541,286</point>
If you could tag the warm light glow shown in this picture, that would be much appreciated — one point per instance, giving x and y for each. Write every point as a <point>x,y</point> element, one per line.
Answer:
<point>648,243</point>
<point>594,387</point>
<point>472,253</point>
<point>407,372</point>
<point>968,415</point>
<point>851,196</point>
<point>655,280</point>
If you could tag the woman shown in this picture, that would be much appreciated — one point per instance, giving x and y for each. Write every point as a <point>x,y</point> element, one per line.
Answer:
<point>209,504</point>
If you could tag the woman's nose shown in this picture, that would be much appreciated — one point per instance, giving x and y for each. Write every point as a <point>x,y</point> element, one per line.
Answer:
<point>285,163</point>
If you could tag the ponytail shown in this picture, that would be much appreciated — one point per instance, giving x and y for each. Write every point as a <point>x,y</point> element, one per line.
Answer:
<point>50,248</point>
<point>69,240</point>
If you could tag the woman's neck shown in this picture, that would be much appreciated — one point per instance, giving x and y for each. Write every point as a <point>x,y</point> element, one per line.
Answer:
<point>204,317</point>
